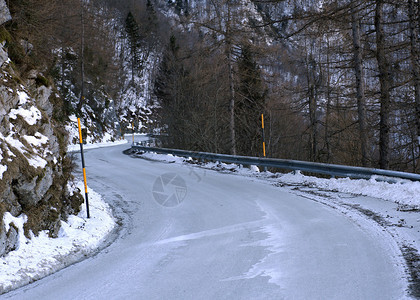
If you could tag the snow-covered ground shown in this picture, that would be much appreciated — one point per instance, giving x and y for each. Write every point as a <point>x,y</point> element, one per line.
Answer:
<point>76,147</point>
<point>79,237</point>
<point>91,143</point>
<point>41,255</point>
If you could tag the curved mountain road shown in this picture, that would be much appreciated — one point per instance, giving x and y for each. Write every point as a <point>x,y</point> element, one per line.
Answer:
<point>229,238</point>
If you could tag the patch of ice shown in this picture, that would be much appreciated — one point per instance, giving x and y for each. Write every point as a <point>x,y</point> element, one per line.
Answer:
<point>269,265</point>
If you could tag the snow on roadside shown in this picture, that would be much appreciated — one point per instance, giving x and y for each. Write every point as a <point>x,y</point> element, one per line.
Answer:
<point>210,165</point>
<point>76,147</point>
<point>403,192</point>
<point>92,140</point>
<point>41,256</point>
<point>163,157</point>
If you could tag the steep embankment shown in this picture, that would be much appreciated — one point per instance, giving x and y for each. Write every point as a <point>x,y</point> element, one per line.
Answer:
<point>33,169</point>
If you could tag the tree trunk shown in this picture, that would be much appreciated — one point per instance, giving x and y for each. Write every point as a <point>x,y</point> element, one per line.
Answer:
<point>231,103</point>
<point>312,111</point>
<point>231,87</point>
<point>312,99</point>
<point>384,80</point>
<point>82,64</point>
<point>328,108</point>
<point>416,67</point>
<point>63,68</point>
<point>132,66</point>
<point>360,89</point>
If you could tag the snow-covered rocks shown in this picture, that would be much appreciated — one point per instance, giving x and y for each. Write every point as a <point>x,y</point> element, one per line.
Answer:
<point>32,148</point>
<point>3,55</point>
<point>40,256</point>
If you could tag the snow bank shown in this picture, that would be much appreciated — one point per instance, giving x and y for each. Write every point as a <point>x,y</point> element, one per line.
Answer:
<point>404,192</point>
<point>40,256</point>
<point>93,138</point>
<point>106,140</point>
<point>76,147</point>
<point>163,157</point>
<point>210,165</point>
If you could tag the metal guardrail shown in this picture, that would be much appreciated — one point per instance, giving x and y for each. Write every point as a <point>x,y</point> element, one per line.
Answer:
<point>285,164</point>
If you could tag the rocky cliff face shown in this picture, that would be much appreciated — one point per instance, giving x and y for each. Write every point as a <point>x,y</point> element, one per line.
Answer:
<point>4,12</point>
<point>34,171</point>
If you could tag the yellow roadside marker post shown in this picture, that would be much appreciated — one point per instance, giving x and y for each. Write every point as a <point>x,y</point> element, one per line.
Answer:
<point>83,166</point>
<point>263,137</point>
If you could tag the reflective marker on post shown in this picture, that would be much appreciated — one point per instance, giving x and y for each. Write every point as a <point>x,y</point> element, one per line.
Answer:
<point>263,136</point>
<point>83,166</point>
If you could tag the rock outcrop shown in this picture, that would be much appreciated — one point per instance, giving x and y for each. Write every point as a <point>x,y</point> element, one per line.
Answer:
<point>4,12</point>
<point>34,170</point>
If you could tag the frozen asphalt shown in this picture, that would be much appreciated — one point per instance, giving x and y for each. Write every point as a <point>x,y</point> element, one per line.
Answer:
<point>228,238</point>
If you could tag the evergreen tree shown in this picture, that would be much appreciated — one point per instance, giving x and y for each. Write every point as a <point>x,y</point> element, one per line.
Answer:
<point>251,95</point>
<point>152,20</point>
<point>134,38</point>
<point>169,89</point>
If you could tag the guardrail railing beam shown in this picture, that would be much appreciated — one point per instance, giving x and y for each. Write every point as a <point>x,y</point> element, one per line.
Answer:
<point>284,164</point>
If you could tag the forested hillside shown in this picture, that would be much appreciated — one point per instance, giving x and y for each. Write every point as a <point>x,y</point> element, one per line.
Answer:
<point>337,81</point>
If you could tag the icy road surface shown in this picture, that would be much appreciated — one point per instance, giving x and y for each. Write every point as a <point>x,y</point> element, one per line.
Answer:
<point>229,237</point>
